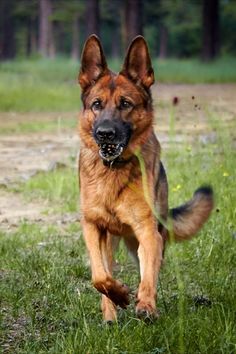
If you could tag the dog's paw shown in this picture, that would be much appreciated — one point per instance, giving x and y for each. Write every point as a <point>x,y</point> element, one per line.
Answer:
<point>119,294</point>
<point>108,323</point>
<point>115,291</point>
<point>146,311</point>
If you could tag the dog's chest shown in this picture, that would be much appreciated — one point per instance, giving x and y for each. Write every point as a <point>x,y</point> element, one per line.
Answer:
<point>100,205</point>
<point>105,217</point>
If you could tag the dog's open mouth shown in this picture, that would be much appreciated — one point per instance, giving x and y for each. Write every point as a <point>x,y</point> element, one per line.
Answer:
<point>110,152</point>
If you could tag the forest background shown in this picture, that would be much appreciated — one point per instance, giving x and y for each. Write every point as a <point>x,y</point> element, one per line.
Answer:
<point>183,29</point>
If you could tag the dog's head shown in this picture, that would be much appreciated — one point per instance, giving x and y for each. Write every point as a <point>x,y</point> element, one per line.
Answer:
<point>117,108</point>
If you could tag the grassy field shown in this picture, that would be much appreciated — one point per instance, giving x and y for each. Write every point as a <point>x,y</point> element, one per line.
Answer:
<point>48,304</point>
<point>42,85</point>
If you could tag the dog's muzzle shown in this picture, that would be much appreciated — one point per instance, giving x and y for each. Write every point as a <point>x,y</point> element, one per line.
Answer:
<point>110,152</point>
<point>112,137</point>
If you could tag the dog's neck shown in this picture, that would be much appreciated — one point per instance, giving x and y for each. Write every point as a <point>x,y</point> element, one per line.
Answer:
<point>119,162</point>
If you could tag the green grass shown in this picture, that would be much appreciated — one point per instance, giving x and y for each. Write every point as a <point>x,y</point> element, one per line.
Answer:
<point>44,85</point>
<point>39,86</point>
<point>193,71</point>
<point>59,188</point>
<point>34,125</point>
<point>49,306</point>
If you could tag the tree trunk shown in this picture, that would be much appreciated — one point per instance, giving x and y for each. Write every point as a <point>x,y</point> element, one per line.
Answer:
<point>46,37</point>
<point>75,53</point>
<point>211,31</point>
<point>115,23</point>
<point>43,27</point>
<point>7,30</point>
<point>133,25</point>
<point>163,42</point>
<point>51,39</point>
<point>92,17</point>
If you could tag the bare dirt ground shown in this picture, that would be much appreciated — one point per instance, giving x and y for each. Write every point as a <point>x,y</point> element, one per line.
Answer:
<point>24,155</point>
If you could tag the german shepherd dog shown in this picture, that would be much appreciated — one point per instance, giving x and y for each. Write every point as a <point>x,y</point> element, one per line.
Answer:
<point>124,190</point>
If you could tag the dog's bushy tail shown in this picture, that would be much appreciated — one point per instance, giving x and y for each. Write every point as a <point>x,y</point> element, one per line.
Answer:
<point>187,219</point>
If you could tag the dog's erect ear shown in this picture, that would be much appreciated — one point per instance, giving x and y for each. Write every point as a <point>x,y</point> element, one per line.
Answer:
<point>137,65</point>
<point>93,62</point>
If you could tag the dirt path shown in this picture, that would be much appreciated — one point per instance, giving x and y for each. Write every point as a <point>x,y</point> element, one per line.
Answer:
<point>24,155</point>
<point>21,158</point>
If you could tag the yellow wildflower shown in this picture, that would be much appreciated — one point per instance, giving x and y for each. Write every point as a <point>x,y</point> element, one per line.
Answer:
<point>176,188</point>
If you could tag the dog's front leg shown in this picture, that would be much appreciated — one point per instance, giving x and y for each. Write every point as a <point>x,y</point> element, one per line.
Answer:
<point>101,277</point>
<point>109,244</point>
<point>150,258</point>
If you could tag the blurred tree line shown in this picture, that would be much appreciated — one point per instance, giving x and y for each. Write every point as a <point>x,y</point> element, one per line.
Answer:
<point>173,28</point>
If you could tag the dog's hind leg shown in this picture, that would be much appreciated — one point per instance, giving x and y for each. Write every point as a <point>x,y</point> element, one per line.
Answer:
<point>132,245</point>
<point>101,277</point>
<point>109,310</point>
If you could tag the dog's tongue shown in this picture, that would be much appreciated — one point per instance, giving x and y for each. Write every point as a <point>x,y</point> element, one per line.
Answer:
<point>110,152</point>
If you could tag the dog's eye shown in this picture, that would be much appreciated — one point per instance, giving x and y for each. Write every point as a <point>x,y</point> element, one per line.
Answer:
<point>124,104</point>
<point>96,105</point>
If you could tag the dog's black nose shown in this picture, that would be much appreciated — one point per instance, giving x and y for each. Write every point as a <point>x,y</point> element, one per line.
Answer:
<point>105,133</point>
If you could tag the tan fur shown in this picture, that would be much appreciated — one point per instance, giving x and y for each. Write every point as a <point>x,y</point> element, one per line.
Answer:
<point>114,201</point>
